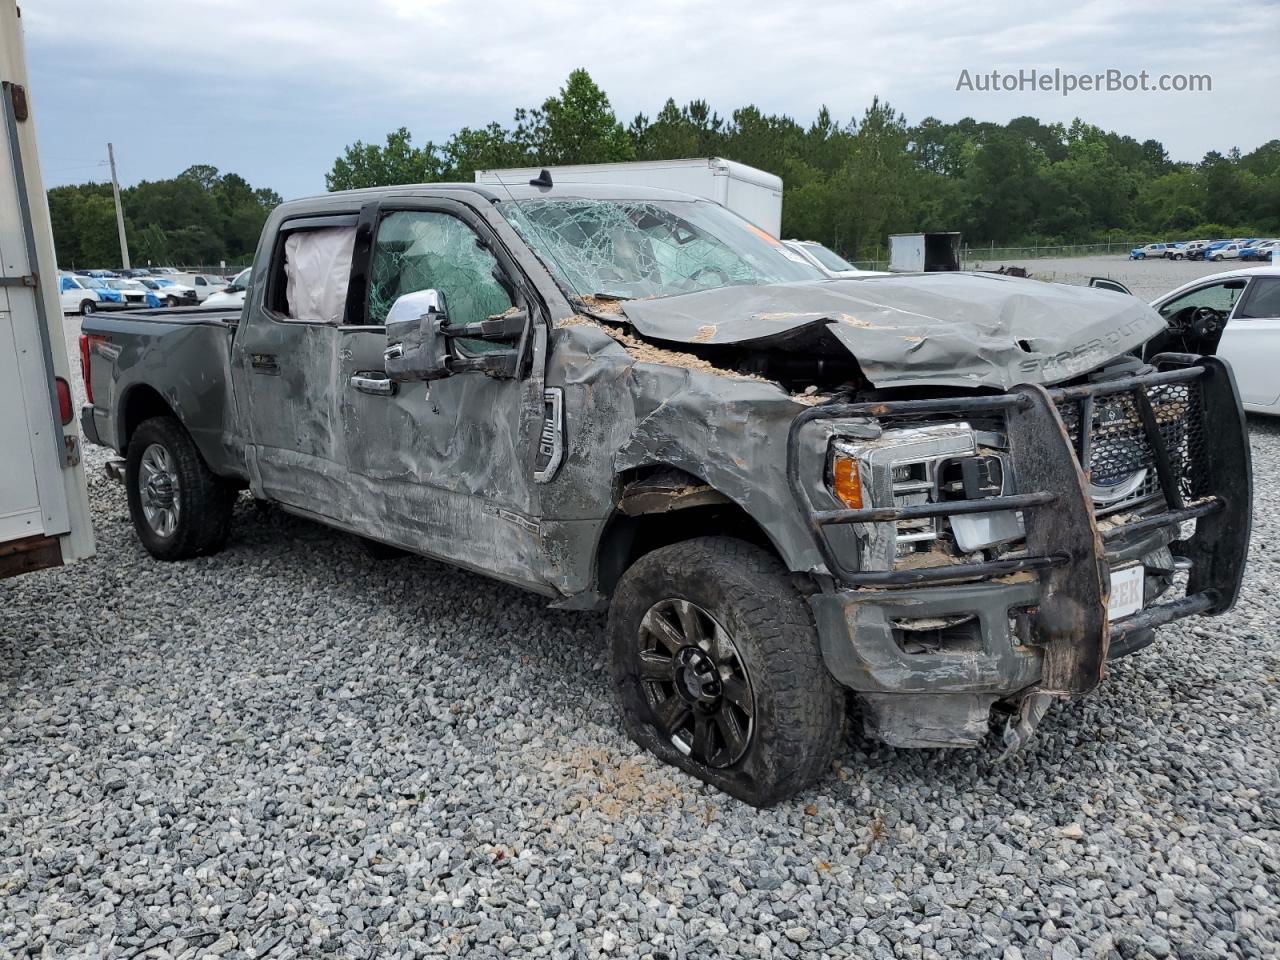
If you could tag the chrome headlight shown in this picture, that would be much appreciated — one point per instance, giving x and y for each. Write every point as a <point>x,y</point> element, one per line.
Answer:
<point>917,465</point>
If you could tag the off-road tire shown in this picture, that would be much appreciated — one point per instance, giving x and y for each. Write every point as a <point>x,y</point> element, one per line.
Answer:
<point>798,706</point>
<point>206,500</point>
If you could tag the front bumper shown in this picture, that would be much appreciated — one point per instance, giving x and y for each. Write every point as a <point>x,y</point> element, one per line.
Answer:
<point>1041,615</point>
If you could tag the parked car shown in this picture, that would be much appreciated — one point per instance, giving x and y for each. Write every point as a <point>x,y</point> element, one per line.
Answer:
<point>1194,249</point>
<point>1261,250</point>
<point>164,271</point>
<point>75,296</point>
<point>782,487</point>
<point>231,295</point>
<point>1149,251</point>
<point>203,284</point>
<point>1227,251</point>
<point>135,293</point>
<point>830,263</point>
<point>1239,311</point>
<point>172,294</point>
<point>101,274</point>
<point>108,299</point>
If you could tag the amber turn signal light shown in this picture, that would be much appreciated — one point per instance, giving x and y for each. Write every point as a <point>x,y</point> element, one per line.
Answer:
<point>847,483</point>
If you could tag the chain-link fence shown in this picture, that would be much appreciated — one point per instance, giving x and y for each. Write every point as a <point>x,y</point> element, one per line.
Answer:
<point>971,255</point>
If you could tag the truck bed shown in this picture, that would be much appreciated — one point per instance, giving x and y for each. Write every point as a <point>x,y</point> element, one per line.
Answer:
<point>167,360</point>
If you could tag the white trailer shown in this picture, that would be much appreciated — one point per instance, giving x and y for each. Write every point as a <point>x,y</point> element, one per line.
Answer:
<point>919,252</point>
<point>752,194</point>
<point>44,506</point>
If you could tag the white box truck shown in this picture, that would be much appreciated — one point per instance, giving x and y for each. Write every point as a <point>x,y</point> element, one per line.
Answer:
<point>44,506</point>
<point>752,194</point>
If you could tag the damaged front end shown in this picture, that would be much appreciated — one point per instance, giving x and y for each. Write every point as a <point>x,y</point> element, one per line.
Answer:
<point>974,561</point>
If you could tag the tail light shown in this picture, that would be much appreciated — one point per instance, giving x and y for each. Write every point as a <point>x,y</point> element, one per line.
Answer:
<point>84,367</point>
<point>64,400</point>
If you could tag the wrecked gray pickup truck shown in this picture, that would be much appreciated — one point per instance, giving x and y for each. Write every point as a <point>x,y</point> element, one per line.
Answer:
<point>780,486</point>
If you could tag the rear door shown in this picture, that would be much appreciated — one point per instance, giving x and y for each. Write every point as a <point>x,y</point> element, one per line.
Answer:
<point>284,362</point>
<point>1251,342</point>
<point>444,468</point>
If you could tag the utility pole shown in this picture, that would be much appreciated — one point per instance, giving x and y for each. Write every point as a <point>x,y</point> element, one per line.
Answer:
<point>115,189</point>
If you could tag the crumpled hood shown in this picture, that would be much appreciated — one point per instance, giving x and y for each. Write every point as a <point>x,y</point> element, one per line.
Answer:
<point>954,329</point>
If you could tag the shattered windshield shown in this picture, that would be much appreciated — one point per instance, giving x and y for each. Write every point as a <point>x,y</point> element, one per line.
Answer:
<point>650,248</point>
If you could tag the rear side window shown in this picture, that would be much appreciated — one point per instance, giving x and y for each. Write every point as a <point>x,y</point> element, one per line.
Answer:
<point>309,274</point>
<point>1262,301</point>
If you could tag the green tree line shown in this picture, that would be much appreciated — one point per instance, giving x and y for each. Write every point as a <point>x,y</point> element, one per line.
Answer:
<point>200,216</point>
<point>849,184</point>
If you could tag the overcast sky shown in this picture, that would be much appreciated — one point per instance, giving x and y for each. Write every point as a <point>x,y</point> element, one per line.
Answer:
<point>274,89</point>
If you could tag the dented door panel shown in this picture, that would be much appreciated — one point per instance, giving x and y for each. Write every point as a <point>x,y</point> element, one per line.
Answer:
<point>443,468</point>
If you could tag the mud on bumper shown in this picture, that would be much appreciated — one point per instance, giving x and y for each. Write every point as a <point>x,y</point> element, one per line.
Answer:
<point>1041,614</point>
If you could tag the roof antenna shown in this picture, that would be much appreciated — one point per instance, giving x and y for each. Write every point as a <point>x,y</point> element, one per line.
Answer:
<point>542,180</point>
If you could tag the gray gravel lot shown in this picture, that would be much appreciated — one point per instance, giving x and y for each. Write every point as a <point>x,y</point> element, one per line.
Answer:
<point>290,749</point>
<point>1146,278</point>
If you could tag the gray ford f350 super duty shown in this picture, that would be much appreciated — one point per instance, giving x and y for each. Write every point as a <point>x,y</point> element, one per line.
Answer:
<point>956,495</point>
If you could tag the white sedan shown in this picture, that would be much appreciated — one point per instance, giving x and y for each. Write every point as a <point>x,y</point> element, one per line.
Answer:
<point>1247,305</point>
<point>826,260</point>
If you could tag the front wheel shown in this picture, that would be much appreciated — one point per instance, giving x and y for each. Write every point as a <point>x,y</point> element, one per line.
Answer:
<point>86,307</point>
<point>171,302</point>
<point>179,507</point>
<point>714,658</point>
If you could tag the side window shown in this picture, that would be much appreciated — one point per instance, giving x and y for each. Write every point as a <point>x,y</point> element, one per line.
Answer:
<point>309,274</point>
<point>425,250</point>
<point>1263,301</point>
<point>200,282</point>
<point>1218,296</point>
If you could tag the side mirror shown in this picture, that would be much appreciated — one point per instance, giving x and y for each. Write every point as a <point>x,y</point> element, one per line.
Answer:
<point>416,347</point>
<point>420,340</point>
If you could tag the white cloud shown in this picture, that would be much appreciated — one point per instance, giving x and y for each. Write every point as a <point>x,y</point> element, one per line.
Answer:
<point>275,89</point>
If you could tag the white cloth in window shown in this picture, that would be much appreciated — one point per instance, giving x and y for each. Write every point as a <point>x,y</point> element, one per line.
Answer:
<point>317,265</point>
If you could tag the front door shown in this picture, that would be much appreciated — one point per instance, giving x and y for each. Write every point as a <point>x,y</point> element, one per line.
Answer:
<point>1251,342</point>
<point>443,468</point>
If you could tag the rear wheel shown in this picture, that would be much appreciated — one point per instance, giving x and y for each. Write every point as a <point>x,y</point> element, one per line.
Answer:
<point>179,507</point>
<point>715,661</point>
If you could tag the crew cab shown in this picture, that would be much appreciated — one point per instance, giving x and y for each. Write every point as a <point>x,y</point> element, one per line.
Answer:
<point>956,495</point>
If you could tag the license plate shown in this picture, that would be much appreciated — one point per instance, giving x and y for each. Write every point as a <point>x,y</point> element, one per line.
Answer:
<point>1126,592</point>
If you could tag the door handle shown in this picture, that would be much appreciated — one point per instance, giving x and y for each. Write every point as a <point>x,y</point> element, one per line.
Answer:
<point>377,384</point>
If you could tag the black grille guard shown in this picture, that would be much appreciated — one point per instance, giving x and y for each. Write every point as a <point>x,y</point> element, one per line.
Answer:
<point>1063,543</point>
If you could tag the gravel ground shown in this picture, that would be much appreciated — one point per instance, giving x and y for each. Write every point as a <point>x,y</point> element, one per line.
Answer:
<point>292,750</point>
<point>1146,278</point>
